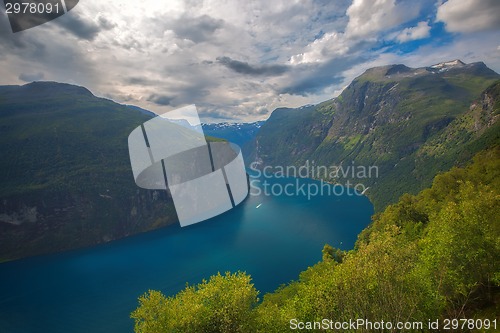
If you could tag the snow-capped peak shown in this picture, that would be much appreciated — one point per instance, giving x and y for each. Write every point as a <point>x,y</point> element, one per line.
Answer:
<point>448,64</point>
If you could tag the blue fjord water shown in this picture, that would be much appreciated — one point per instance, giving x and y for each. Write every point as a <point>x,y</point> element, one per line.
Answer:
<point>95,289</point>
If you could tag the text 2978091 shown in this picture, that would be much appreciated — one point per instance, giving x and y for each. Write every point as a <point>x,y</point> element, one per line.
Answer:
<point>32,8</point>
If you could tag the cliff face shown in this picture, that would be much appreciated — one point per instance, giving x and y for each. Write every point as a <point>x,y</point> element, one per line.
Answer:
<point>383,118</point>
<point>65,178</point>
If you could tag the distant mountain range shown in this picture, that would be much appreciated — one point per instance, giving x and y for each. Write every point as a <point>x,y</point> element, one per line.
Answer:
<point>239,133</point>
<point>411,123</point>
<point>66,180</point>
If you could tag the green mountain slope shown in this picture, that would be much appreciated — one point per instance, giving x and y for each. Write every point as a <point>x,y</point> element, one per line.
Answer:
<point>387,118</point>
<point>430,257</point>
<point>65,179</point>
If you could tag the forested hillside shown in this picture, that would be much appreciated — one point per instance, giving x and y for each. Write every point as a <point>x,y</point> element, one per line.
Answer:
<point>66,180</point>
<point>409,122</point>
<point>433,256</point>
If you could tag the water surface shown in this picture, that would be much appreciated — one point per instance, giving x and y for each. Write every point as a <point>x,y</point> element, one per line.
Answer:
<point>95,289</point>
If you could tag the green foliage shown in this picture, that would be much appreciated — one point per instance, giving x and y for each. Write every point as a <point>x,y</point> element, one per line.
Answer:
<point>433,255</point>
<point>66,178</point>
<point>222,304</point>
<point>460,253</point>
<point>330,253</point>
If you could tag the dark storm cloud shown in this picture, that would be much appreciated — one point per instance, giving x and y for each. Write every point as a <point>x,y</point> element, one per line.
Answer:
<point>143,81</point>
<point>246,68</point>
<point>78,27</point>
<point>160,99</point>
<point>6,34</point>
<point>30,77</point>
<point>197,29</point>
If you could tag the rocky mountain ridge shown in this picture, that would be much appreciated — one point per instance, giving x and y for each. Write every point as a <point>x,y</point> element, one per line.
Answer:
<point>383,118</point>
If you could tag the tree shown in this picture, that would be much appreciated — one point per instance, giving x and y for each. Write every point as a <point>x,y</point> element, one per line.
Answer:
<point>430,255</point>
<point>223,304</point>
<point>330,253</point>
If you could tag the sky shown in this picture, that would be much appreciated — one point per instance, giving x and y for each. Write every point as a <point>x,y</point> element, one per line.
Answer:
<point>239,60</point>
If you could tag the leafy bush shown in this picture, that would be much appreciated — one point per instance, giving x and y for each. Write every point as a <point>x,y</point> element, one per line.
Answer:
<point>433,255</point>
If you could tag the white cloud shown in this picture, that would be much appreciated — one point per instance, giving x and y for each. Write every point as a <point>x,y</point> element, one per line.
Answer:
<point>469,15</point>
<point>271,53</point>
<point>422,30</point>
<point>369,17</point>
<point>366,20</point>
<point>163,55</point>
<point>325,48</point>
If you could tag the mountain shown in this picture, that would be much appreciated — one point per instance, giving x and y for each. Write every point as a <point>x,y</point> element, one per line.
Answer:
<point>399,119</point>
<point>141,110</point>
<point>66,179</point>
<point>239,133</point>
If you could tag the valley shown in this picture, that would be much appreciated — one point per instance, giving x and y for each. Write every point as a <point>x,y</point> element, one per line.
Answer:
<point>412,123</point>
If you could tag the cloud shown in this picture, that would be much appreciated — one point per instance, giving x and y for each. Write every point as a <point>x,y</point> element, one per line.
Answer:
<point>197,29</point>
<point>313,79</point>
<point>328,46</point>
<point>245,68</point>
<point>311,85</point>
<point>368,17</point>
<point>30,77</point>
<point>235,60</point>
<point>160,99</point>
<point>43,49</point>
<point>105,23</point>
<point>367,20</point>
<point>469,15</point>
<point>144,81</point>
<point>422,30</point>
<point>79,27</point>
